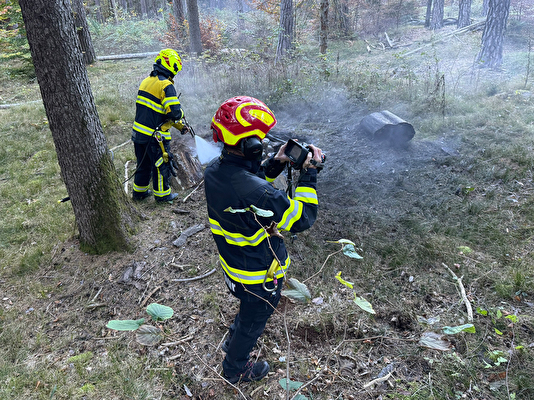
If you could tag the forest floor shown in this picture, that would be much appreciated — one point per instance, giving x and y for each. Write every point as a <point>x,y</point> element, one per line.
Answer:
<point>369,192</point>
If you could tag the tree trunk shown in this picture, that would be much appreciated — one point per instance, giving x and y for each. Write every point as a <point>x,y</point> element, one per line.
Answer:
<point>490,55</point>
<point>113,4</point>
<point>102,211</point>
<point>179,16</point>
<point>428,13</point>
<point>82,30</point>
<point>285,37</point>
<point>98,10</point>
<point>142,5</point>
<point>340,20</point>
<point>124,6</point>
<point>485,8</point>
<point>464,14</point>
<point>323,35</point>
<point>240,19</point>
<point>194,27</point>
<point>437,14</point>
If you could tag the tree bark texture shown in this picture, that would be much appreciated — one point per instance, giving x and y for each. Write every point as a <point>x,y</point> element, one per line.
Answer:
<point>194,27</point>
<point>464,14</point>
<point>102,211</point>
<point>98,11</point>
<point>179,16</point>
<point>323,35</point>
<point>428,13</point>
<point>490,55</point>
<point>438,10</point>
<point>340,18</point>
<point>285,37</point>
<point>82,30</point>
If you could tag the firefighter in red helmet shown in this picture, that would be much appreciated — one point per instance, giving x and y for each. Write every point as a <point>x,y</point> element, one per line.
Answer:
<point>253,261</point>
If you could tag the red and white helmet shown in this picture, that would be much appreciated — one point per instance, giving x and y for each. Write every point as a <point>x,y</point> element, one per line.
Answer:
<point>241,117</point>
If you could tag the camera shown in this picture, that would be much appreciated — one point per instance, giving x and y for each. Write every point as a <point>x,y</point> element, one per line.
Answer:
<point>298,153</point>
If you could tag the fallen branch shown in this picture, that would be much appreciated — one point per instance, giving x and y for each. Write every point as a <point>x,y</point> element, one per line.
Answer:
<point>439,39</point>
<point>149,296</point>
<point>194,190</point>
<point>377,380</point>
<point>462,292</point>
<point>196,278</point>
<point>126,56</point>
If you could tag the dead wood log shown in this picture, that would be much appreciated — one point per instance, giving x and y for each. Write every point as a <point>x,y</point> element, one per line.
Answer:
<point>189,172</point>
<point>472,27</point>
<point>126,56</point>
<point>386,126</point>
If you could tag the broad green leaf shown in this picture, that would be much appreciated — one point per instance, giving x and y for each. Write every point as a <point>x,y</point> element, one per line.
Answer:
<point>125,324</point>
<point>299,291</point>
<point>519,347</point>
<point>453,330</point>
<point>349,251</point>
<point>159,312</point>
<point>465,249</point>
<point>434,341</point>
<point>498,332</point>
<point>364,304</point>
<point>512,318</point>
<point>481,311</point>
<point>230,209</point>
<point>498,314</point>
<point>260,212</point>
<point>343,281</point>
<point>148,335</point>
<point>293,385</point>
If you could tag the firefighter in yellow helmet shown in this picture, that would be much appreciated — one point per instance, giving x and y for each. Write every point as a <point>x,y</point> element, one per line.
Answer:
<point>254,261</point>
<point>157,107</point>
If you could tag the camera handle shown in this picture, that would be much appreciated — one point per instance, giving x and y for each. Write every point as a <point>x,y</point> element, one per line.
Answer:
<point>289,189</point>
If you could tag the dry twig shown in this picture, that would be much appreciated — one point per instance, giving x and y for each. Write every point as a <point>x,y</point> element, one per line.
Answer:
<point>462,292</point>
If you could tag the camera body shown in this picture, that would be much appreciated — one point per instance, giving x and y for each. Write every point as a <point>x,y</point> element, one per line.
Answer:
<point>298,153</point>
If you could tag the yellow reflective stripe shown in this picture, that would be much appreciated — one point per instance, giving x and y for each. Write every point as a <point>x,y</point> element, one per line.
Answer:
<point>306,195</point>
<point>159,162</point>
<point>170,101</point>
<point>270,180</point>
<point>138,188</point>
<point>166,135</point>
<point>252,277</point>
<point>236,238</point>
<point>291,215</point>
<point>143,129</point>
<point>150,104</point>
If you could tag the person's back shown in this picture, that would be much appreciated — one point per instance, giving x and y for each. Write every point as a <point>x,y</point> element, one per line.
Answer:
<point>245,213</point>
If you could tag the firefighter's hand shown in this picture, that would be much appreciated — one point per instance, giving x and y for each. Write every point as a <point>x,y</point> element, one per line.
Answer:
<point>281,156</point>
<point>184,130</point>
<point>317,157</point>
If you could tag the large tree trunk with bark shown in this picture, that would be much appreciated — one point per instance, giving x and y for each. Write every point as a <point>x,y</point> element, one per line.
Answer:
<point>490,55</point>
<point>285,37</point>
<point>179,16</point>
<point>194,27</point>
<point>98,11</point>
<point>82,29</point>
<point>103,213</point>
<point>323,35</point>
<point>428,13</point>
<point>464,14</point>
<point>438,10</point>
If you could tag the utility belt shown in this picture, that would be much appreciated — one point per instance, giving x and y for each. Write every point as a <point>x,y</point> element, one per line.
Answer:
<point>262,277</point>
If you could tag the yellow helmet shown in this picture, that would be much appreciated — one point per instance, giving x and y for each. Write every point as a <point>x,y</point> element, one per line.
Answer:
<point>170,60</point>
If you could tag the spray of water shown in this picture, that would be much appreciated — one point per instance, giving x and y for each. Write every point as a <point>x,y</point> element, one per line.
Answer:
<point>206,151</point>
